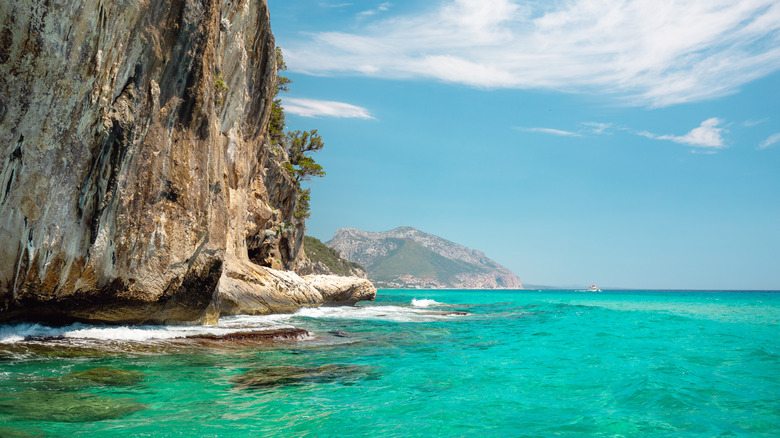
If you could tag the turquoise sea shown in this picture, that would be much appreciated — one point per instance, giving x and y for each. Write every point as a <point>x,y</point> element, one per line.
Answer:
<point>414,363</point>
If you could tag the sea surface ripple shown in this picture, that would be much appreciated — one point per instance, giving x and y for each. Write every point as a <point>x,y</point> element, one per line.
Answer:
<point>416,364</point>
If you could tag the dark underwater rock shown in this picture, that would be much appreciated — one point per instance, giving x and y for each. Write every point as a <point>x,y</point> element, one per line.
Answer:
<point>15,432</point>
<point>105,376</point>
<point>340,334</point>
<point>269,377</point>
<point>68,407</point>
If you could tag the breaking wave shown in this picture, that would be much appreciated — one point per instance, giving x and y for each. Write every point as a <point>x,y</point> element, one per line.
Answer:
<point>425,302</point>
<point>83,334</point>
<point>414,313</point>
<point>227,325</point>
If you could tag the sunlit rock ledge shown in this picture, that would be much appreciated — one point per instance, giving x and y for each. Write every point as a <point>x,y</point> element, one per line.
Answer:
<point>342,291</point>
<point>248,289</point>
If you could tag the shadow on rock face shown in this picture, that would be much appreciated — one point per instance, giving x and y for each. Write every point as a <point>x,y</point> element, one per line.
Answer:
<point>68,407</point>
<point>270,377</point>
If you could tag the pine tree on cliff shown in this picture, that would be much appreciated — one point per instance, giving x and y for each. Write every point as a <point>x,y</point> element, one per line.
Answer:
<point>297,144</point>
<point>277,123</point>
<point>301,166</point>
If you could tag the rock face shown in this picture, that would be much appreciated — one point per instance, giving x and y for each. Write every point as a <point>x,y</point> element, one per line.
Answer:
<point>409,258</point>
<point>136,180</point>
<point>342,290</point>
<point>248,289</point>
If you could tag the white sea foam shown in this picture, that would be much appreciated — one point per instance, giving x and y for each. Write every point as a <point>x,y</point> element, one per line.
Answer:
<point>382,313</point>
<point>418,312</point>
<point>227,325</point>
<point>425,302</point>
<point>15,333</point>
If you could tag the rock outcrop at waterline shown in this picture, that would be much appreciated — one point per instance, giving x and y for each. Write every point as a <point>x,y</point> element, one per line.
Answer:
<point>136,180</point>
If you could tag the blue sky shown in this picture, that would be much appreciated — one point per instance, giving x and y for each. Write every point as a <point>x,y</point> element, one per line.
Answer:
<point>623,143</point>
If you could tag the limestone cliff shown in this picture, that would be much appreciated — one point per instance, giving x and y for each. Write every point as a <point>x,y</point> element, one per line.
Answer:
<point>135,176</point>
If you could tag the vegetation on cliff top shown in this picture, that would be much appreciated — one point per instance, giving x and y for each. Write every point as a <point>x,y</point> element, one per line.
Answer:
<point>316,251</point>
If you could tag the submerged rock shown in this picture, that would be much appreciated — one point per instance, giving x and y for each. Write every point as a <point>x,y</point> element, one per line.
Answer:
<point>14,432</point>
<point>69,407</point>
<point>268,377</point>
<point>340,334</point>
<point>104,376</point>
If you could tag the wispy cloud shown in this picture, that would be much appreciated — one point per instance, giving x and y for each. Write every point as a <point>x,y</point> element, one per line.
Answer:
<point>324,108</point>
<point>381,8</point>
<point>588,128</point>
<point>335,5</point>
<point>771,141</point>
<point>551,131</point>
<point>596,127</point>
<point>707,135</point>
<point>752,123</point>
<point>646,52</point>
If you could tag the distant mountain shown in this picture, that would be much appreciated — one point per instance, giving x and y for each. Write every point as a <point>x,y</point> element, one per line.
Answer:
<point>409,258</point>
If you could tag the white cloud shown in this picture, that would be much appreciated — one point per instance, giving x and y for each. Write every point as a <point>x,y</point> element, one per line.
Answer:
<point>647,52</point>
<point>596,127</point>
<point>707,135</point>
<point>381,8</point>
<point>324,108</point>
<point>336,5</point>
<point>771,141</point>
<point>589,128</point>
<point>558,132</point>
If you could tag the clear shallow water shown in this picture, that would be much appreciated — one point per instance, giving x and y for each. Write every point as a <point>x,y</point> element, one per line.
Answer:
<point>519,363</point>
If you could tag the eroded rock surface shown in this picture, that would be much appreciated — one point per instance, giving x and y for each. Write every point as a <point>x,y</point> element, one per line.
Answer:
<point>135,173</point>
<point>343,291</point>
<point>248,289</point>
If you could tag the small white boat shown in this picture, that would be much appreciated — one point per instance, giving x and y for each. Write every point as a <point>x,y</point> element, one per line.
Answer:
<point>594,288</point>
